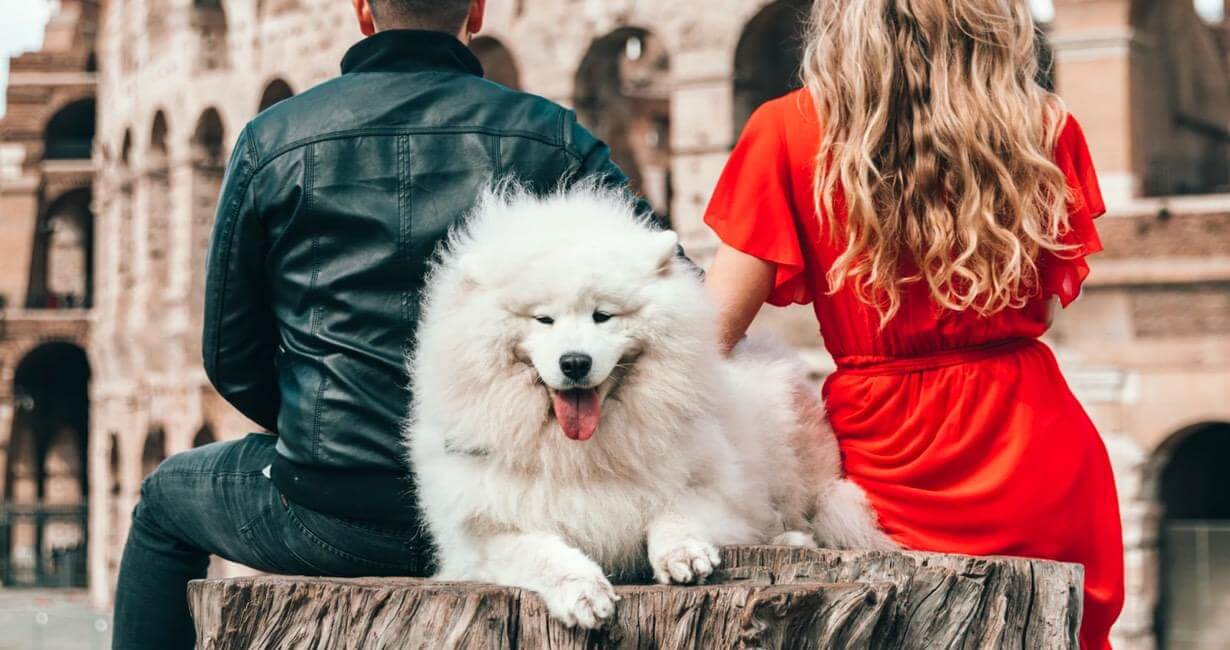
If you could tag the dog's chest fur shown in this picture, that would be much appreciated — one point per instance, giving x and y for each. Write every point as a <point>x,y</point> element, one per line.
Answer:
<point>605,516</point>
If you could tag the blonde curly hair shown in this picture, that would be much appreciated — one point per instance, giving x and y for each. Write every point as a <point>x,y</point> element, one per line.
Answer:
<point>939,141</point>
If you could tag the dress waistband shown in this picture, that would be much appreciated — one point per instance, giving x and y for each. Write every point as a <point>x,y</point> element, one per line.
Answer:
<point>875,366</point>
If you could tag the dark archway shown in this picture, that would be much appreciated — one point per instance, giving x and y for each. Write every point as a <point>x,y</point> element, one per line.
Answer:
<point>204,437</point>
<point>125,278</point>
<point>69,134</point>
<point>768,57</point>
<point>62,263</point>
<point>623,96</point>
<point>209,25</point>
<point>275,91</point>
<point>153,452</point>
<point>1195,539</point>
<point>43,522</point>
<point>498,63</point>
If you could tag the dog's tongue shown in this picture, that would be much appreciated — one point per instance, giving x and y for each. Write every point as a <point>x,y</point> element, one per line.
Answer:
<point>578,412</point>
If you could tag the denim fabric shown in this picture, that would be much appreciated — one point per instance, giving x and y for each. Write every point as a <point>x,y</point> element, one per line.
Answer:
<point>216,500</point>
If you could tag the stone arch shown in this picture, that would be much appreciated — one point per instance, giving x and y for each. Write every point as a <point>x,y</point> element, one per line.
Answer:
<point>210,29</point>
<point>157,208</point>
<point>623,96</point>
<point>499,65</point>
<point>47,482</point>
<point>768,57</point>
<point>61,273</point>
<point>1187,474</point>
<point>274,92</point>
<point>208,169</point>
<point>69,134</point>
<point>153,450</point>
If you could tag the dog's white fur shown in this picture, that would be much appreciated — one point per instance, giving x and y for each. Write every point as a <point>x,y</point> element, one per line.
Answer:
<point>693,450</point>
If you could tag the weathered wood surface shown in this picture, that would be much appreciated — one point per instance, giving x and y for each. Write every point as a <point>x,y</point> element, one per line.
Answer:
<point>764,597</point>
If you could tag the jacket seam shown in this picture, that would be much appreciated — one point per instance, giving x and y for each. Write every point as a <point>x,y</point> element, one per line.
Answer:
<point>451,130</point>
<point>224,263</point>
<point>316,409</point>
<point>309,182</point>
<point>405,209</point>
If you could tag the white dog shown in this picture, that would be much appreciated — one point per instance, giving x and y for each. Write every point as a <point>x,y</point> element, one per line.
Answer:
<point>573,417</point>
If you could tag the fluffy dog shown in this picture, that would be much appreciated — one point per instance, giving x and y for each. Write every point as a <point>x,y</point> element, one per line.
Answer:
<point>573,418</point>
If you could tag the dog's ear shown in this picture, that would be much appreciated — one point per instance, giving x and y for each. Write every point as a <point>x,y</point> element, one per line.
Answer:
<point>666,247</point>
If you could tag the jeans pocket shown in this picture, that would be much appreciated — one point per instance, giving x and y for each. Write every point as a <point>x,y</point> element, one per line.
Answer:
<point>341,549</point>
<point>264,544</point>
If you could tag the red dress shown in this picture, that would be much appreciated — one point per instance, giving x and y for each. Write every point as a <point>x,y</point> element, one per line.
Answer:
<point>960,428</point>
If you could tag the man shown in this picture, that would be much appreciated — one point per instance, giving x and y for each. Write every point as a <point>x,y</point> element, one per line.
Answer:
<point>333,203</point>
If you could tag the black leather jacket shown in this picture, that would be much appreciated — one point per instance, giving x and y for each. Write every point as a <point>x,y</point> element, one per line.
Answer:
<point>333,202</point>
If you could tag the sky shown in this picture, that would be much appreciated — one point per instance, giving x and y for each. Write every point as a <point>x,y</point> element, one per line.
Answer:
<point>21,30</point>
<point>22,27</point>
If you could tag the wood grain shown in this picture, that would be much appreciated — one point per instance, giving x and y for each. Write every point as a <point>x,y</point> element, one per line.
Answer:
<point>764,597</point>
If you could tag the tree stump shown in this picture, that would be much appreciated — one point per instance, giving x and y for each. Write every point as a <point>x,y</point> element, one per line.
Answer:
<point>763,597</point>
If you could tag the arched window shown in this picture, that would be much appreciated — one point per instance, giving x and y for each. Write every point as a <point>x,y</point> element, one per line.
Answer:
<point>70,132</point>
<point>63,254</point>
<point>1195,539</point>
<point>209,25</point>
<point>45,494</point>
<point>158,206</point>
<point>768,57</point>
<point>498,63</point>
<point>275,91</point>
<point>153,452</point>
<point>623,96</point>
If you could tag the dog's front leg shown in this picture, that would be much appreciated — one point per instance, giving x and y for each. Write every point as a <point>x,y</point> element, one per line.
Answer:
<point>680,540</point>
<point>574,587</point>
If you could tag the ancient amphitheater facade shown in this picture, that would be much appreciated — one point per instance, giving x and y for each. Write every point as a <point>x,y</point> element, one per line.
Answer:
<point>117,133</point>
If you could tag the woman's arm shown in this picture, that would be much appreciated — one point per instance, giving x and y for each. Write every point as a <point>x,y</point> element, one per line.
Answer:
<point>738,284</point>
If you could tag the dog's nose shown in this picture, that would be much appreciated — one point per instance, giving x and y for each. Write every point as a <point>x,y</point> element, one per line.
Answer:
<point>575,365</point>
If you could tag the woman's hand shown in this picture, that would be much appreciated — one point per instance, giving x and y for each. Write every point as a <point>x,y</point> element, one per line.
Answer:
<point>738,284</point>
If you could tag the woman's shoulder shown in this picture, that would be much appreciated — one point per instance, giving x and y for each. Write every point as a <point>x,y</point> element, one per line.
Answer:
<point>787,126</point>
<point>785,114</point>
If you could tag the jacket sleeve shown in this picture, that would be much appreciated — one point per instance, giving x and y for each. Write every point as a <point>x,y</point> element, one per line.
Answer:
<point>240,339</point>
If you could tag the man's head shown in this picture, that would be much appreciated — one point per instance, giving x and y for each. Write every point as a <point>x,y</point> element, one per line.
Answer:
<point>459,17</point>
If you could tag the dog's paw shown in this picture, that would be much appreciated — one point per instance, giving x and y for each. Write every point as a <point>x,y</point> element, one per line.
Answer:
<point>582,600</point>
<point>690,561</point>
<point>795,538</point>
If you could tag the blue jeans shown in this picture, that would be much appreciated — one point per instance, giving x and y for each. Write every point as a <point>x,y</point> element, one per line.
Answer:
<point>216,500</point>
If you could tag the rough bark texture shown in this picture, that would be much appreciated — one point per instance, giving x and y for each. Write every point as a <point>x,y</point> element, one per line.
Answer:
<point>764,597</point>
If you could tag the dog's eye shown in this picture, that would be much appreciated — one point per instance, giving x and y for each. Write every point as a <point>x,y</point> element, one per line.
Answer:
<point>545,320</point>
<point>601,317</point>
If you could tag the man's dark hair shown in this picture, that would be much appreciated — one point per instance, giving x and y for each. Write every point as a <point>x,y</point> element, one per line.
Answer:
<point>436,15</point>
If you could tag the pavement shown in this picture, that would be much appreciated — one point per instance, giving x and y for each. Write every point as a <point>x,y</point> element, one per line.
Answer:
<point>46,619</point>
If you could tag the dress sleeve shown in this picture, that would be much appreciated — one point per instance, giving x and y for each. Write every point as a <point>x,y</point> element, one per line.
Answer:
<point>752,208</point>
<point>1063,273</point>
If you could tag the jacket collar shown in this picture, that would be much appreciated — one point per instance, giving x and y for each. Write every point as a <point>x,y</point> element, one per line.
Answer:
<point>410,50</point>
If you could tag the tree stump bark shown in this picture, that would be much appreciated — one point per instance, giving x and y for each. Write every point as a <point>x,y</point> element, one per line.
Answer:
<point>764,597</point>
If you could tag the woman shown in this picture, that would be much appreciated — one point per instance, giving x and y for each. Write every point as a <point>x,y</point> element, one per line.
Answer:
<point>932,201</point>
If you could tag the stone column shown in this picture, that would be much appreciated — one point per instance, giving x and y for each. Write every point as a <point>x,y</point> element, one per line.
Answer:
<point>100,523</point>
<point>1095,52</point>
<point>701,128</point>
